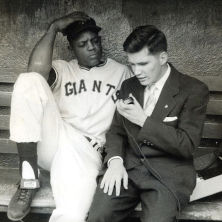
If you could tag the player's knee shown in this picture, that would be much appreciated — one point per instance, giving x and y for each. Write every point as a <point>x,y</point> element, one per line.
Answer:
<point>28,76</point>
<point>26,81</point>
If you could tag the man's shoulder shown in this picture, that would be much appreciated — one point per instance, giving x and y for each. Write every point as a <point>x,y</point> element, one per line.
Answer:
<point>62,66</point>
<point>118,69</point>
<point>189,82</point>
<point>113,62</point>
<point>61,62</point>
<point>192,83</point>
<point>131,82</point>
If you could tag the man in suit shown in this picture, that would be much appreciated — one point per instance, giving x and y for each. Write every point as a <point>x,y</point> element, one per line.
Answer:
<point>152,137</point>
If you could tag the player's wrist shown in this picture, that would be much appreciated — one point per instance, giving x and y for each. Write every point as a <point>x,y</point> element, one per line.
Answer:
<point>52,28</point>
<point>116,162</point>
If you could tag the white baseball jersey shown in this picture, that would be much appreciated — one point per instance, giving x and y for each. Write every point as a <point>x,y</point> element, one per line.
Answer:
<point>86,97</point>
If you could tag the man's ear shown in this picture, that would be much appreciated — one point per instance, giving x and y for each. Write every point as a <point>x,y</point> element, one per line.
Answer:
<point>163,58</point>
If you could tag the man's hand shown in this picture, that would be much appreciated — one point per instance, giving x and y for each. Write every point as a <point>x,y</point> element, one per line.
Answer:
<point>60,24</point>
<point>115,173</point>
<point>133,112</point>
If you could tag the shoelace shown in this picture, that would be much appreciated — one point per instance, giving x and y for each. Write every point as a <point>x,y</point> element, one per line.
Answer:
<point>23,195</point>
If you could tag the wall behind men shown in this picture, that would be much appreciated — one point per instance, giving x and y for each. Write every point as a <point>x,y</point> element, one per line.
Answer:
<point>193,29</point>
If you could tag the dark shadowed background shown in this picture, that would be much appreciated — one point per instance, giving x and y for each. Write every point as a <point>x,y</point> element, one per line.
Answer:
<point>193,29</point>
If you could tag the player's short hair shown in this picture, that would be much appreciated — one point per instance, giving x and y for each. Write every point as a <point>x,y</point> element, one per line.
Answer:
<point>73,30</point>
<point>147,35</point>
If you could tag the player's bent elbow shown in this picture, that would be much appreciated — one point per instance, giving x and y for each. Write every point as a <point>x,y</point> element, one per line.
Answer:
<point>42,71</point>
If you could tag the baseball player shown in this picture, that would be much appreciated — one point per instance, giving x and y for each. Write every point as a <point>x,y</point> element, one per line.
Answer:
<point>60,113</point>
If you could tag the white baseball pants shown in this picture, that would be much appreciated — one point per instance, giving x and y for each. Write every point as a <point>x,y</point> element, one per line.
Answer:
<point>70,158</point>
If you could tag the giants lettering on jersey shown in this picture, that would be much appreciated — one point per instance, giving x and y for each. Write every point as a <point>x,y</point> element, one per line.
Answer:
<point>72,88</point>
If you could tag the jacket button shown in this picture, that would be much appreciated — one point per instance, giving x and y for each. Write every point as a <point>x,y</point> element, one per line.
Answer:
<point>141,144</point>
<point>145,141</point>
<point>142,160</point>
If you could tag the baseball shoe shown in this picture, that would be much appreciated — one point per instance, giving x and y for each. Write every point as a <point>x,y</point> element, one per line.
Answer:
<point>20,204</point>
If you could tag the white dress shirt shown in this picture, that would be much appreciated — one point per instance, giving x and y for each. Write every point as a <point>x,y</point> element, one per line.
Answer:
<point>152,93</point>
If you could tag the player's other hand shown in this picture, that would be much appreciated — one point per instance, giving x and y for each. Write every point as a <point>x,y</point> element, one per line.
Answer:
<point>114,176</point>
<point>61,23</point>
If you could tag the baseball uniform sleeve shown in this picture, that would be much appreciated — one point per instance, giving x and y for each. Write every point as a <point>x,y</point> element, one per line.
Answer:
<point>115,138</point>
<point>59,66</point>
<point>127,72</point>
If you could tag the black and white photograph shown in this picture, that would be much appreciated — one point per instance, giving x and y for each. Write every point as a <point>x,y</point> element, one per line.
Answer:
<point>110,110</point>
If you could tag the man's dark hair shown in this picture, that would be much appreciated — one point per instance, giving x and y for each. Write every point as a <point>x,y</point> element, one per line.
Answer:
<point>143,36</point>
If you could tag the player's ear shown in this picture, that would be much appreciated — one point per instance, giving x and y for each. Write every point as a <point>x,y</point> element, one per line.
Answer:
<point>163,58</point>
<point>69,47</point>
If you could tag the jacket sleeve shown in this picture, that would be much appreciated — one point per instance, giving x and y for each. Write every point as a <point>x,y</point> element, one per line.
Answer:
<point>116,137</point>
<point>185,137</point>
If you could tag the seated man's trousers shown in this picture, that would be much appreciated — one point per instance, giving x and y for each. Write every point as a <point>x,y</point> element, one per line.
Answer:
<point>70,158</point>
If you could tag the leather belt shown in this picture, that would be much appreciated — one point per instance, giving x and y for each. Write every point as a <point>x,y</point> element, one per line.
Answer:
<point>95,145</point>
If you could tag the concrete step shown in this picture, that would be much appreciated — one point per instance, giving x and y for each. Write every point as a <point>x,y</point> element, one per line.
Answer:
<point>9,75</point>
<point>44,202</point>
<point>212,126</point>
<point>6,145</point>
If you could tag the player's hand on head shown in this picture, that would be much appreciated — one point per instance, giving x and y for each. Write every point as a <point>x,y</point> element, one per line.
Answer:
<point>114,177</point>
<point>133,112</point>
<point>61,23</point>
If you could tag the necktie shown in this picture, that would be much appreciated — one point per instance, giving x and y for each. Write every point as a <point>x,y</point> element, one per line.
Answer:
<point>149,99</point>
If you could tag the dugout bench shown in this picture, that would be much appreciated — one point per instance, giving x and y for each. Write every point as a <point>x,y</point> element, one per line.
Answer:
<point>208,208</point>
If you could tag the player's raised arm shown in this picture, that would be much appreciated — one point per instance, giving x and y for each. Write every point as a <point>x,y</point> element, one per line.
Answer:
<point>40,60</point>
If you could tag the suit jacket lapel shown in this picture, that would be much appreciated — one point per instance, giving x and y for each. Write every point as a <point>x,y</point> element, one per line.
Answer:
<point>166,101</point>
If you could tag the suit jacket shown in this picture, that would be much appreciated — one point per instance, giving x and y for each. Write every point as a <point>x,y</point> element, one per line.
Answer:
<point>168,146</point>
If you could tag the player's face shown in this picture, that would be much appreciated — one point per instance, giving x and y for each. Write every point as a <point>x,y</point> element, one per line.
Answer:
<point>87,48</point>
<point>148,68</point>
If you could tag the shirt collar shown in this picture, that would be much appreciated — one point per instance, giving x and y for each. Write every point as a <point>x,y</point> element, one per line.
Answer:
<point>160,83</point>
<point>102,63</point>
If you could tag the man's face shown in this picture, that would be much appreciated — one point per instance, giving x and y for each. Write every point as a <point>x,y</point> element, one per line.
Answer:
<point>87,48</point>
<point>148,68</point>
